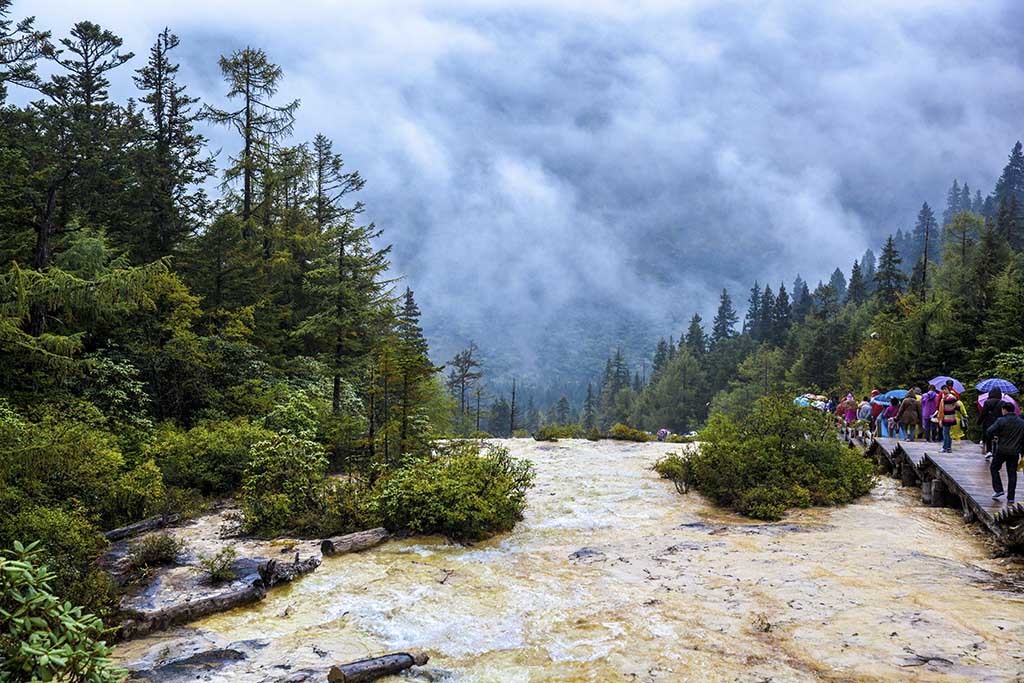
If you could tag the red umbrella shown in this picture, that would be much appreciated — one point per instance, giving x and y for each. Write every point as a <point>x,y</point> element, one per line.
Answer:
<point>1008,399</point>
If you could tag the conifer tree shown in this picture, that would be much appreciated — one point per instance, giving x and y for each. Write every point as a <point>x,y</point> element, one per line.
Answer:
<point>21,46</point>
<point>253,80</point>
<point>589,409</point>
<point>695,340</point>
<point>1008,222</point>
<point>174,163</point>
<point>723,325</point>
<point>1011,182</point>
<point>782,316</point>
<point>856,291</point>
<point>925,234</point>
<point>765,323</point>
<point>963,231</point>
<point>464,377</point>
<point>803,301</point>
<point>838,282</point>
<point>752,321</point>
<point>889,278</point>
<point>414,371</point>
<point>953,202</point>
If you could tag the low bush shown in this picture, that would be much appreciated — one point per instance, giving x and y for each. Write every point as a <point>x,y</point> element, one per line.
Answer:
<point>679,438</point>
<point>779,457</point>
<point>45,637</point>
<point>211,457</point>
<point>556,432</point>
<point>463,490</point>
<point>154,550</point>
<point>676,468</point>
<point>621,432</point>
<point>283,489</point>
<point>594,434</point>
<point>217,568</point>
<point>481,435</point>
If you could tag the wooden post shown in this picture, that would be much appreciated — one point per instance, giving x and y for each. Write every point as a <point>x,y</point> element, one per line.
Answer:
<point>926,492</point>
<point>938,493</point>
<point>968,513</point>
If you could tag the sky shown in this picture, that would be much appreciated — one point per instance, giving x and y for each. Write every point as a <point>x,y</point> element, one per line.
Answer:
<point>536,161</point>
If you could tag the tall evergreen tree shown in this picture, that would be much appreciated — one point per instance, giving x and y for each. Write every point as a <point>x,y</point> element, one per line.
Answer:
<point>766,317</point>
<point>696,341</point>
<point>926,234</point>
<point>889,278</point>
<point>589,409</point>
<point>782,315</point>
<point>1009,220</point>
<point>723,325</point>
<point>954,198</point>
<point>253,80</point>
<point>857,290</point>
<point>803,302</point>
<point>838,283</point>
<point>752,321</point>
<point>1011,182</point>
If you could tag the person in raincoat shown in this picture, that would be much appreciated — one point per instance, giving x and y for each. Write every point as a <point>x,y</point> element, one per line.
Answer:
<point>888,420</point>
<point>959,429</point>
<point>864,411</point>
<point>850,409</point>
<point>945,413</point>
<point>929,402</point>
<point>909,415</point>
<point>991,411</point>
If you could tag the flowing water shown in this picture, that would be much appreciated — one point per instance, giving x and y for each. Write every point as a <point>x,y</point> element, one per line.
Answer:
<point>613,576</point>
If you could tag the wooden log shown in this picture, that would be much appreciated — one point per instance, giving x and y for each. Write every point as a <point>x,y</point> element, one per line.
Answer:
<point>138,623</point>
<point>353,543</point>
<point>273,572</point>
<point>145,525</point>
<point>375,667</point>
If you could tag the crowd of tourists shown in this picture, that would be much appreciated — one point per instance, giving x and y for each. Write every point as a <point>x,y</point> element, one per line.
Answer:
<point>938,415</point>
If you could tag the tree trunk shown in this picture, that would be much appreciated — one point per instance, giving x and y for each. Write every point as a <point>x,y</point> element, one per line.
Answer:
<point>375,667</point>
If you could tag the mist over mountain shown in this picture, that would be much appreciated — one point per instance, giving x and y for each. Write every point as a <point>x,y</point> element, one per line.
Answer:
<point>563,177</point>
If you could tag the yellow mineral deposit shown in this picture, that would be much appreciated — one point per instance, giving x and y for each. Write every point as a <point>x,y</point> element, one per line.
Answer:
<point>613,576</point>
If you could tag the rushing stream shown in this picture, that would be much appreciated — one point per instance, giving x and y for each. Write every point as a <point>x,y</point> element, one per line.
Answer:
<point>613,576</point>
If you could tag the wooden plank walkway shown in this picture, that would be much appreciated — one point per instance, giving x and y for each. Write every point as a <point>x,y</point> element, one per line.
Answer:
<point>959,479</point>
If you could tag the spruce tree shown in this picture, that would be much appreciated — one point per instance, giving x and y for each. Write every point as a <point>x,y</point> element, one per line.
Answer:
<point>725,320</point>
<point>766,313</point>
<point>889,278</point>
<point>783,314</point>
<point>838,283</point>
<point>753,319</point>
<point>589,409</point>
<point>21,46</point>
<point>803,301</point>
<point>856,291</point>
<point>253,80</point>
<point>926,235</point>
<point>695,340</point>
<point>953,202</point>
<point>1011,182</point>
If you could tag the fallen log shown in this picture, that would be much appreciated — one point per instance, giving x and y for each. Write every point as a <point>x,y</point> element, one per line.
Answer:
<point>375,667</point>
<point>137,623</point>
<point>273,572</point>
<point>352,543</point>
<point>143,526</point>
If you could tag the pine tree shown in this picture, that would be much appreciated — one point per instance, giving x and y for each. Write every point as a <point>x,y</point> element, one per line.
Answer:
<point>1008,222</point>
<point>174,164</point>
<point>660,358</point>
<point>782,316</point>
<point>752,321</point>
<point>978,205</point>
<point>725,320</point>
<point>415,372</point>
<point>925,234</point>
<point>696,341</point>
<point>589,409</point>
<point>21,46</point>
<point>803,302</point>
<point>1011,182</point>
<point>856,291</point>
<point>963,231</point>
<point>253,80</point>
<point>889,278</point>
<point>767,311</point>
<point>953,202</point>
<point>965,200</point>
<point>463,378</point>
<point>838,283</point>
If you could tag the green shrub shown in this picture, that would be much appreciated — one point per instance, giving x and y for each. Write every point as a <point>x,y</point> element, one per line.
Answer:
<point>155,550</point>
<point>217,568</point>
<point>46,638</point>
<point>779,457</point>
<point>347,506</point>
<point>594,434</point>
<point>676,468</point>
<point>621,432</point>
<point>462,490</point>
<point>679,438</point>
<point>68,544</point>
<point>556,432</point>
<point>521,434</point>
<point>283,489</point>
<point>211,457</point>
<point>481,435</point>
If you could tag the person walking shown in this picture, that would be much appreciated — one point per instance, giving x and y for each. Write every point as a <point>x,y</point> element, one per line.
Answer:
<point>946,413</point>
<point>929,402</point>
<point>888,419</point>
<point>864,411</point>
<point>1007,436</point>
<point>991,410</point>
<point>909,415</point>
<point>850,410</point>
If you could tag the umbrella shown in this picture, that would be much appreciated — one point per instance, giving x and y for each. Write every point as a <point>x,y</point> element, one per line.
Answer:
<point>940,381</point>
<point>802,401</point>
<point>1006,399</point>
<point>880,400</point>
<point>895,393</point>
<point>993,383</point>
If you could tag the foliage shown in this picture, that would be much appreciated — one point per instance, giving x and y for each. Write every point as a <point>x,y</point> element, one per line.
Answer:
<point>780,457</point>
<point>210,457</point>
<point>154,550</point>
<point>42,637</point>
<point>462,490</point>
<point>554,432</point>
<point>218,567</point>
<point>621,432</point>
<point>676,468</point>
<point>283,485</point>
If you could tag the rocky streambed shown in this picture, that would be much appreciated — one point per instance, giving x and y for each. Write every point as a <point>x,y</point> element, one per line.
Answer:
<point>615,576</point>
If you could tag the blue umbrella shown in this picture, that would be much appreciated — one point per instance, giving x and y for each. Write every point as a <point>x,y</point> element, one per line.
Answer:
<point>899,394</point>
<point>880,400</point>
<point>996,383</point>
<point>940,381</point>
<point>802,401</point>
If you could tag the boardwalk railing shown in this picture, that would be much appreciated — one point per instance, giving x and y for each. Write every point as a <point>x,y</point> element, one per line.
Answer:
<point>960,480</point>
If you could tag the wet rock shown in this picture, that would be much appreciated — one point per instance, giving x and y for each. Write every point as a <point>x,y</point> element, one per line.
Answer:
<point>430,674</point>
<point>295,677</point>
<point>587,555</point>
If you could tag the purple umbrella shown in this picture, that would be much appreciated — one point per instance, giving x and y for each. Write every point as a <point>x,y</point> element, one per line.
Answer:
<point>940,381</point>
<point>991,383</point>
<point>1006,399</point>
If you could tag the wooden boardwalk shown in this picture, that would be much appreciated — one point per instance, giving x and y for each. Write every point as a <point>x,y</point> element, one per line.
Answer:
<point>960,479</point>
